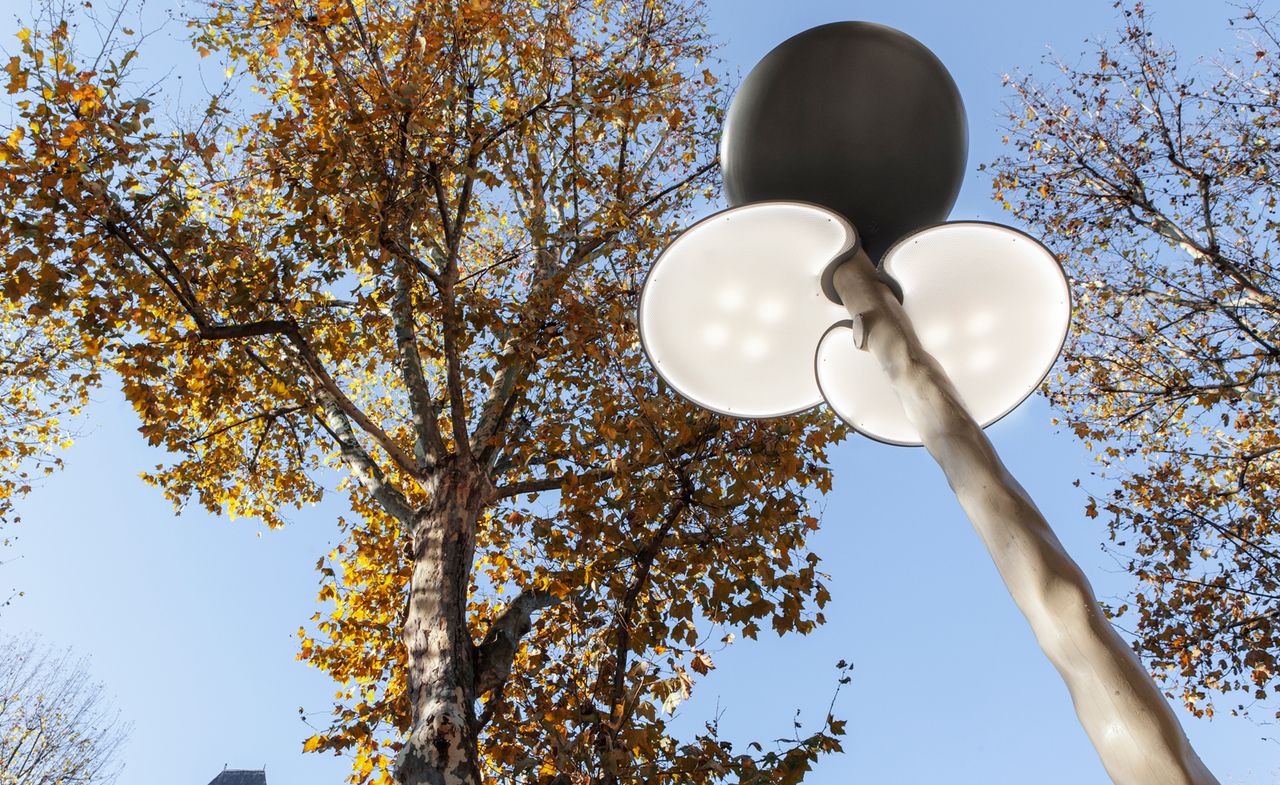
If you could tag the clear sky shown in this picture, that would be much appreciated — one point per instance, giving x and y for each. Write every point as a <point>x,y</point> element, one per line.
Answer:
<point>190,620</point>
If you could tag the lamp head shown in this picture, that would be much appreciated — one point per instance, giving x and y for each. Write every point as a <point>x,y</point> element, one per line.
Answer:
<point>732,310</point>
<point>857,117</point>
<point>989,303</point>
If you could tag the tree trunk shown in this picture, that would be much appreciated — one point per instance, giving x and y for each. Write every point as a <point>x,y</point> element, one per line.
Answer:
<point>441,747</point>
<point>1125,715</point>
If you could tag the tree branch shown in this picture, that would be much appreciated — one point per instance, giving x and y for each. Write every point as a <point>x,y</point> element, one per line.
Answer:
<point>318,372</point>
<point>270,414</point>
<point>359,462</point>
<point>496,653</point>
<point>644,565</point>
<point>207,329</point>
<point>429,444</point>
<point>497,407</point>
<point>551,483</point>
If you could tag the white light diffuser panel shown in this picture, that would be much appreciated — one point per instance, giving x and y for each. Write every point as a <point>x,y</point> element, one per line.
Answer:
<point>991,304</point>
<point>732,310</point>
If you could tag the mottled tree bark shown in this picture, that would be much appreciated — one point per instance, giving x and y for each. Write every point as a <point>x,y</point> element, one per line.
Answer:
<point>1126,717</point>
<point>441,746</point>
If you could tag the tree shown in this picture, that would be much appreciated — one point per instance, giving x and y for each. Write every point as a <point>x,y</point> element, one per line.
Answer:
<point>56,727</point>
<point>1158,188</point>
<point>407,243</point>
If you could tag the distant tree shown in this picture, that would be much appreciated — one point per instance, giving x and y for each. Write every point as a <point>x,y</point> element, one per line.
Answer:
<point>406,243</point>
<point>56,725</point>
<point>1158,186</point>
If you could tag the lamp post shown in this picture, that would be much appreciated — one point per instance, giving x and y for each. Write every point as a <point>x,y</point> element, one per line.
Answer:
<point>833,279</point>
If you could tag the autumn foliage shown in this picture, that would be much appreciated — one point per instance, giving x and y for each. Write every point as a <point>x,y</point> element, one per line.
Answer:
<point>1156,181</point>
<point>403,243</point>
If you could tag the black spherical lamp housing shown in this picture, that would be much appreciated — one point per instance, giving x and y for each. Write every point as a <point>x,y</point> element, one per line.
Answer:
<point>856,117</point>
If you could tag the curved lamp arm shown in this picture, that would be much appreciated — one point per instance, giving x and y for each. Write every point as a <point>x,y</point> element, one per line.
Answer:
<point>1125,715</point>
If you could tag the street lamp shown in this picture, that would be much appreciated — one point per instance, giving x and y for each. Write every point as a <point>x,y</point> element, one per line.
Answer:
<point>832,277</point>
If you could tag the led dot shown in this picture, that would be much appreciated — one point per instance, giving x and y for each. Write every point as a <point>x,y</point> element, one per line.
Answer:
<point>771,311</point>
<point>715,335</point>
<point>730,299</point>
<point>754,347</point>
<point>982,360</point>
<point>982,323</point>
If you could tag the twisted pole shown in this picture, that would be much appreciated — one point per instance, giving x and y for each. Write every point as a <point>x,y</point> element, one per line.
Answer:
<point>1127,718</point>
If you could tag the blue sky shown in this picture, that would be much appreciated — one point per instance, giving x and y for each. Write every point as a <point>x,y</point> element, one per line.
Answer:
<point>189,620</point>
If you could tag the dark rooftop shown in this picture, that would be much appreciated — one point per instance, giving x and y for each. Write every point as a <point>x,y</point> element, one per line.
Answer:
<point>240,777</point>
